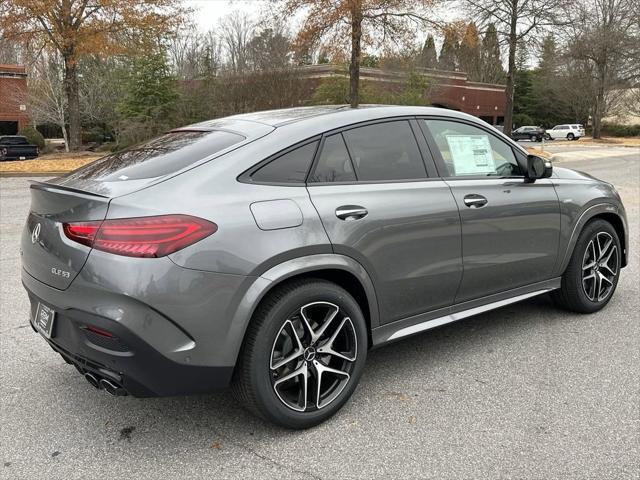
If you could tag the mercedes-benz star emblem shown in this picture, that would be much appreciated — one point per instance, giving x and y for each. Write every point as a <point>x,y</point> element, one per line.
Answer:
<point>35,234</point>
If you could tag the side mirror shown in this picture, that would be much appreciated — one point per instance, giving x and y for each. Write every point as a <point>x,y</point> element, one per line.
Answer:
<point>538,167</point>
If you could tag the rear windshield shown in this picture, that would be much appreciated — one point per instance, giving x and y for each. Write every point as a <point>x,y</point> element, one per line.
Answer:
<point>158,157</point>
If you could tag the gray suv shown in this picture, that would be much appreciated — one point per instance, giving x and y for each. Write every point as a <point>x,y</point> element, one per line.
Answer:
<point>271,251</point>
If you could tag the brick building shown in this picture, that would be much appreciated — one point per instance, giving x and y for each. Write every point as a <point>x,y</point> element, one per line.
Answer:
<point>451,90</point>
<point>13,94</point>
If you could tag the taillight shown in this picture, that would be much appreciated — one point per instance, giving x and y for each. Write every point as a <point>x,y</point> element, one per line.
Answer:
<point>143,236</point>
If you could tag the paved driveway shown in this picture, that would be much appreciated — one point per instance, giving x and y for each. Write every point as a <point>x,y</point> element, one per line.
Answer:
<point>523,392</point>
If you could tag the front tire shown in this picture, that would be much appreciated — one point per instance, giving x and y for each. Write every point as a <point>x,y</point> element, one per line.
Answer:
<point>570,136</point>
<point>303,354</point>
<point>592,275</point>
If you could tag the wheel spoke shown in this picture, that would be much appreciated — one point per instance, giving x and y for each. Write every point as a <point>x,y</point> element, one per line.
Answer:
<point>605,261</point>
<point>604,278</point>
<point>327,348</point>
<point>589,266</point>
<point>321,370</point>
<point>331,314</point>
<point>295,354</point>
<point>327,321</point>
<point>303,370</point>
<point>591,277</point>
<point>603,250</point>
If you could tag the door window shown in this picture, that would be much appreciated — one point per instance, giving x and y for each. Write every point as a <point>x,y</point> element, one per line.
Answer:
<point>334,164</point>
<point>385,151</point>
<point>471,151</point>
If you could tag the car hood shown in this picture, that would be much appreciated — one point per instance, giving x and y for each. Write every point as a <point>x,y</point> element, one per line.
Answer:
<point>568,174</point>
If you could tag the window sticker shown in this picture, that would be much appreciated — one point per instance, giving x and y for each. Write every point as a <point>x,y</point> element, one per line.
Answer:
<point>471,154</point>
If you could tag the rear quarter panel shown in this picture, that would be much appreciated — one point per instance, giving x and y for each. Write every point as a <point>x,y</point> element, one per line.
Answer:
<point>240,246</point>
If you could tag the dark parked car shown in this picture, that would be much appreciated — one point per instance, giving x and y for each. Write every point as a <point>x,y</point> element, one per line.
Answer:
<point>16,147</point>
<point>271,251</point>
<point>533,134</point>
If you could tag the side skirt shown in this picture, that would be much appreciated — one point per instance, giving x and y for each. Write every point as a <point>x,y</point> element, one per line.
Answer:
<point>426,321</point>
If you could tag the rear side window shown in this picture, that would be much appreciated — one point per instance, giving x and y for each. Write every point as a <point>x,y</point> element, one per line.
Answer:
<point>161,156</point>
<point>292,167</point>
<point>385,151</point>
<point>334,164</point>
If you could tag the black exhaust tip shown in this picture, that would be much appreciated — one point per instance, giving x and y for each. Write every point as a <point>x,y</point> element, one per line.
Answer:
<point>91,378</point>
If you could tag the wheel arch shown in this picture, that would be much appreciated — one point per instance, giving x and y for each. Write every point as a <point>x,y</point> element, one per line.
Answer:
<point>604,211</point>
<point>339,269</point>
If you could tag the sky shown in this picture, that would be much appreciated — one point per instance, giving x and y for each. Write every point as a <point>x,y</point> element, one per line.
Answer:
<point>208,12</point>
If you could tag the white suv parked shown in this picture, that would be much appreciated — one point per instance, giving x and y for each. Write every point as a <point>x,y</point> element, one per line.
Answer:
<point>568,131</point>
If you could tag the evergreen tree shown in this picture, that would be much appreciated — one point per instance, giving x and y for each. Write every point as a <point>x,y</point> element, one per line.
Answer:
<point>548,104</point>
<point>151,89</point>
<point>428,57</point>
<point>449,52</point>
<point>491,69</point>
<point>549,60</point>
<point>150,100</point>
<point>469,53</point>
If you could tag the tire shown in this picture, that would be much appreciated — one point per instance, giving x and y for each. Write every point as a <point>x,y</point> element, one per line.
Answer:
<point>533,138</point>
<point>547,137</point>
<point>570,136</point>
<point>582,295</point>
<point>266,383</point>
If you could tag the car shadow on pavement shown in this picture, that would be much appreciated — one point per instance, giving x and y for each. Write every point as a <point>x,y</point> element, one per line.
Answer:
<point>218,421</point>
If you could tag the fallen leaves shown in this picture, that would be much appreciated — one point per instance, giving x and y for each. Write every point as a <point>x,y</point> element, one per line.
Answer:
<point>51,163</point>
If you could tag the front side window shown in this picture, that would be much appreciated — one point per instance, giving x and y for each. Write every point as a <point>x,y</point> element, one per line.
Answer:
<point>470,151</point>
<point>334,164</point>
<point>292,167</point>
<point>385,151</point>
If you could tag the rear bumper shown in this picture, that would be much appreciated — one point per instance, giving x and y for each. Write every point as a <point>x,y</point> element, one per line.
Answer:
<point>125,358</point>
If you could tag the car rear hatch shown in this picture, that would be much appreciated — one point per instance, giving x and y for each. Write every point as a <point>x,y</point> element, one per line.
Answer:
<point>47,254</point>
<point>84,195</point>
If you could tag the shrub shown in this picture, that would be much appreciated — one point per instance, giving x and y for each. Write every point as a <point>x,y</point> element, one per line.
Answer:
<point>521,119</point>
<point>33,136</point>
<point>617,130</point>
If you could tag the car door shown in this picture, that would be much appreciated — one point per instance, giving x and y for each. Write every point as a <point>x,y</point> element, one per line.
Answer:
<point>379,205</point>
<point>510,228</point>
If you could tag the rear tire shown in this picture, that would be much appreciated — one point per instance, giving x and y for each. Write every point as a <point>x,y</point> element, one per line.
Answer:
<point>287,334</point>
<point>597,254</point>
<point>533,138</point>
<point>570,136</point>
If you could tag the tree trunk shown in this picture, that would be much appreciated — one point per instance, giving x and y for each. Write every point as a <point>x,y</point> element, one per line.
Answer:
<point>72,93</point>
<point>598,110</point>
<point>354,66</point>
<point>511,73</point>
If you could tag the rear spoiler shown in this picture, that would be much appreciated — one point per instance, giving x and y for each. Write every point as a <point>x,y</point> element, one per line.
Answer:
<point>35,184</point>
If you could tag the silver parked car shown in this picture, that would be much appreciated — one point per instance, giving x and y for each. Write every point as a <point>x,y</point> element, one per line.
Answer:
<point>271,251</point>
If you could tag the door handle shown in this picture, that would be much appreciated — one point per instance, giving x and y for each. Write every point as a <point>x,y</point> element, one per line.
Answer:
<point>475,201</point>
<point>351,212</point>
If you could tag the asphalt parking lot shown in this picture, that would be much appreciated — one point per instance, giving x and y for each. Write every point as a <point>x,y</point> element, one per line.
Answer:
<point>527,392</point>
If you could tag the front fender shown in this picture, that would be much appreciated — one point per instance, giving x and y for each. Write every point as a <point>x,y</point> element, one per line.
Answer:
<point>589,213</point>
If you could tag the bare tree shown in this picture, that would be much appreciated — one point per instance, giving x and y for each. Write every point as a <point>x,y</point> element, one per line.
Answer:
<point>236,31</point>
<point>605,35</point>
<point>348,24</point>
<point>193,54</point>
<point>46,99</point>
<point>514,20</point>
<point>75,28</point>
